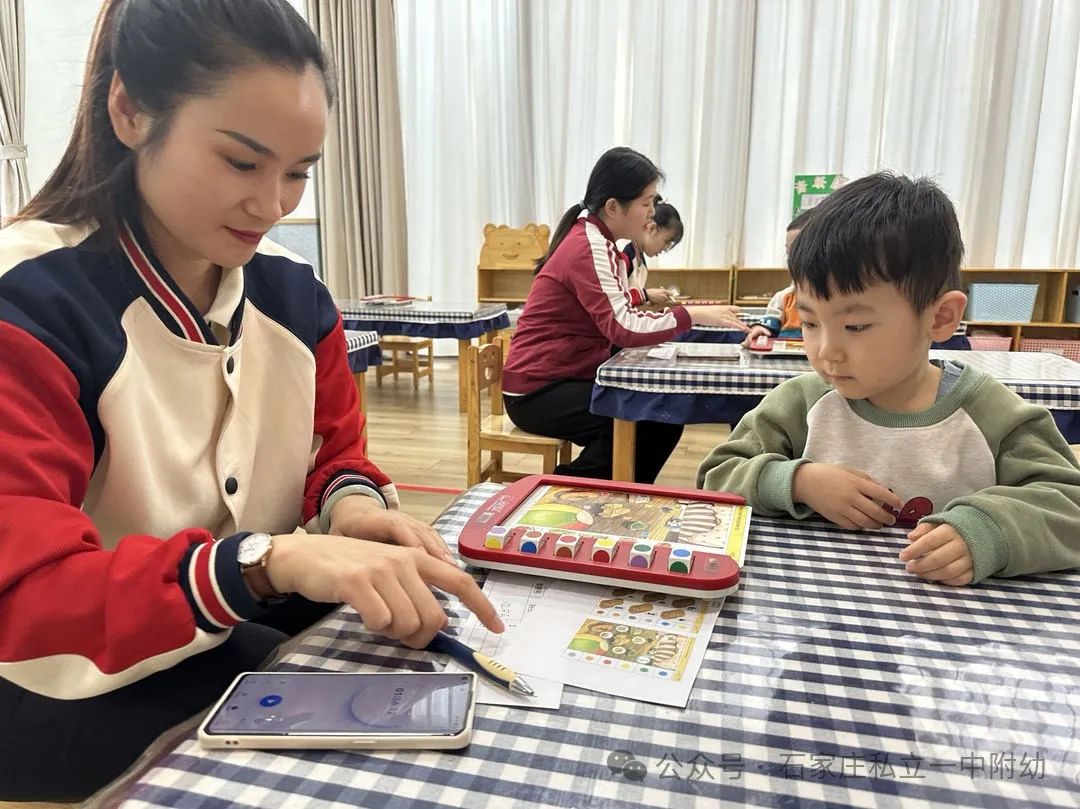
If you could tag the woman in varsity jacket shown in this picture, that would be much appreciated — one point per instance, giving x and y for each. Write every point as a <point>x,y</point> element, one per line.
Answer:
<point>175,401</point>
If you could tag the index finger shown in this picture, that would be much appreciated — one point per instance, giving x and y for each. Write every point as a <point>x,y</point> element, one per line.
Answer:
<point>453,580</point>
<point>874,511</point>
<point>875,491</point>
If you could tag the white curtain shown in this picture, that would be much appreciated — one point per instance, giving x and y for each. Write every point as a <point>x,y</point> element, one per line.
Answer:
<point>506,104</point>
<point>361,184</point>
<point>467,134</point>
<point>14,187</point>
<point>982,96</point>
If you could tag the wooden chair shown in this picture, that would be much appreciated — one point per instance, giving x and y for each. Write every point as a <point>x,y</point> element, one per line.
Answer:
<point>406,358</point>
<point>495,432</point>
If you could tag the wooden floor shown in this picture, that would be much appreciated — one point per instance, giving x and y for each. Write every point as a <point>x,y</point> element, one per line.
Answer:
<point>418,438</point>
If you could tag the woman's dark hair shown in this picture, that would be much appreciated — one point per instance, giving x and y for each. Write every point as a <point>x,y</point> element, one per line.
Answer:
<point>667,217</point>
<point>620,174</point>
<point>165,52</point>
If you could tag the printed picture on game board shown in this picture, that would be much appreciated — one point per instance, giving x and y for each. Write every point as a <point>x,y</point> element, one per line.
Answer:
<point>610,513</point>
<point>634,649</point>
<point>637,516</point>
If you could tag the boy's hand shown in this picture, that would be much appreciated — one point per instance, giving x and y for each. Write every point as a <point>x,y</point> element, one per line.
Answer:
<point>938,553</point>
<point>845,496</point>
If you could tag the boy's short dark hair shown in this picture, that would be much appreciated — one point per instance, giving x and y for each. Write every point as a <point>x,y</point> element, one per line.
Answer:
<point>883,227</point>
<point>799,222</point>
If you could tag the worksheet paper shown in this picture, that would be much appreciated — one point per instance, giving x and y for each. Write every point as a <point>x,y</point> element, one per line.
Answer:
<point>514,596</point>
<point>617,640</point>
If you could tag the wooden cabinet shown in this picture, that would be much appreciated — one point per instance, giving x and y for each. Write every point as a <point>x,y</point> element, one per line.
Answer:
<point>755,286</point>
<point>507,258</point>
<point>703,283</point>
<point>1047,320</point>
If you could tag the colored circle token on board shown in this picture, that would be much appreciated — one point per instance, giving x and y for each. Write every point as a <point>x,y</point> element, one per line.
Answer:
<point>566,546</point>
<point>496,537</point>
<point>641,554</point>
<point>680,560</point>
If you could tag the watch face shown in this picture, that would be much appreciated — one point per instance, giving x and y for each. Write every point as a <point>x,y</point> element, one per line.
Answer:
<point>252,549</point>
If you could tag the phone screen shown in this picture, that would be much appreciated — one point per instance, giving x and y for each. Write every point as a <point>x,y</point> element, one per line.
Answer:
<point>289,704</point>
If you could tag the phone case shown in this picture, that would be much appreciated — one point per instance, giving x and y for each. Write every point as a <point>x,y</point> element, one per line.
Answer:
<point>338,741</point>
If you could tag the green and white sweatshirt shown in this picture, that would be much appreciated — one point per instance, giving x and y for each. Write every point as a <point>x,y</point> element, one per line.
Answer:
<point>980,459</point>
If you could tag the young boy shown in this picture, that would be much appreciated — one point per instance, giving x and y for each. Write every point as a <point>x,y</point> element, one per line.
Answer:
<point>882,434</point>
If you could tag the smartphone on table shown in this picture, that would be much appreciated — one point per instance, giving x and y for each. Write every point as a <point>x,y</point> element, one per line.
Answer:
<point>328,710</point>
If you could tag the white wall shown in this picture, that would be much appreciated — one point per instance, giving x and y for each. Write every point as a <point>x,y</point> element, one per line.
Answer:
<point>57,40</point>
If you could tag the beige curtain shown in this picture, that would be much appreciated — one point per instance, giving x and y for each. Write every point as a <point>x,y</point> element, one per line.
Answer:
<point>361,179</point>
<point>14,187</point>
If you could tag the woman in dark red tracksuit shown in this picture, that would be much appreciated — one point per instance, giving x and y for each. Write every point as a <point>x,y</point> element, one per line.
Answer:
<point>579,306</point>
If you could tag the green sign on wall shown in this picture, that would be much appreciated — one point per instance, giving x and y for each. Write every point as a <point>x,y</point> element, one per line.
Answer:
<point>811,189</point>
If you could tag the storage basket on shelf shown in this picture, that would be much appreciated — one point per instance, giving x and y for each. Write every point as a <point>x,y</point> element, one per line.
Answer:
<point>1066,348</point>
<point>1011,303</point>
<point>989,342</point>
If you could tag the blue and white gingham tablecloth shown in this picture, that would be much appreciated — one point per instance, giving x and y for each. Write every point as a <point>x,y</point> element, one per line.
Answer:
<point>833,678</point>
<point>362,349</point>
<point>463,321</point>
<point>1044,379</point>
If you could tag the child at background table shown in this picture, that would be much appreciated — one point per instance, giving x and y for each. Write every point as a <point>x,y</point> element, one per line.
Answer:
<point>661,235</point>
<point>781,318</point>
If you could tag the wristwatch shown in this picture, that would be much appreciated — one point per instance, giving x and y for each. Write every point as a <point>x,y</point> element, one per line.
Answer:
<point>252,553</point>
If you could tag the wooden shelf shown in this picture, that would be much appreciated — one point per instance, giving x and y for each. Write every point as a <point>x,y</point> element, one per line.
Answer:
<point>755,286</point>
<point>1038,324</point>
<point>693,270</point>
<point>1011,269</point>
<point>511,284</point>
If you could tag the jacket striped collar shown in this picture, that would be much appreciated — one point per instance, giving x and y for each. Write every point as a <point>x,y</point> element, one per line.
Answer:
<point>172,306</point>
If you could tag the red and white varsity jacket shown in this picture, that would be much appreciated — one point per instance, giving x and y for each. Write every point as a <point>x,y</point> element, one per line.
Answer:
<point>578,307</point>
<point>141,441</point>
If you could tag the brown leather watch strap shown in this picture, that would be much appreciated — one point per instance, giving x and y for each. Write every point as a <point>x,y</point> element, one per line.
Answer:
<point>258,581</point>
